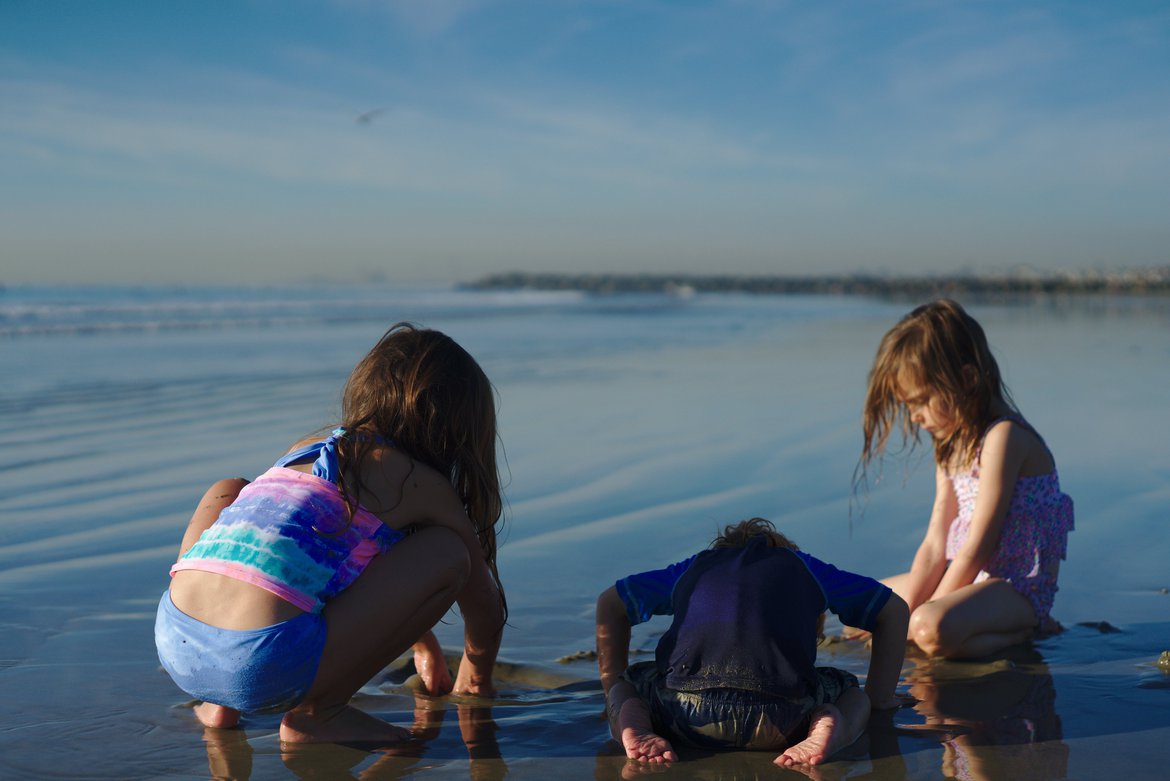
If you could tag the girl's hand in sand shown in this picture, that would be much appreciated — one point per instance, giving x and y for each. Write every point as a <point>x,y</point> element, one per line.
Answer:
<point>431,666</point>
<point>474,687</point>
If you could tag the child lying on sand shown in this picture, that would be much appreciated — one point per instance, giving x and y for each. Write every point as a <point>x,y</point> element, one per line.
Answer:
<point>736,667</point>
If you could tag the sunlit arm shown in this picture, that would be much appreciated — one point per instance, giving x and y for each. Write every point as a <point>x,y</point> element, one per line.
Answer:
<point>483,628</point>
<point>930,561</point>
<point>480,601</point>
<point>628,714</point>
<point>613,653</point>
<point>1003,455</point>
<point>887,654</point>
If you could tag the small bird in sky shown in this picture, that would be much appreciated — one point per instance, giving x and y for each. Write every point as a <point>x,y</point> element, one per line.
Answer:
<point>369,116</point>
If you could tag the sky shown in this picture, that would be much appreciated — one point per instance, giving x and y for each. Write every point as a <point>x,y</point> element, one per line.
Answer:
<point>421,142</point>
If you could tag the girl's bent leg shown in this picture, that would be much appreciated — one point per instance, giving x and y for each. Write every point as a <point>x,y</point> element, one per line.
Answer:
<point>976,620</point>
<point>400,595</point>
<point>215,499</point>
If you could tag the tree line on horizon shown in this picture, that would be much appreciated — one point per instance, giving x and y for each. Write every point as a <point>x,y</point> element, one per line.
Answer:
<point>1143,282</point>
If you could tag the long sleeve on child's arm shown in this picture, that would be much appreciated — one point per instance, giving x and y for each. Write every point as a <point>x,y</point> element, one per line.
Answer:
<point>887,654</point>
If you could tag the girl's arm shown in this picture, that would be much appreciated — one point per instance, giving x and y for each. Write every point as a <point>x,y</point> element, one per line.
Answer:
<point>221,494</point>
<point>1005,449</point>
<point>930,561</point>
<point>480,601</point>
<point>482,607</point>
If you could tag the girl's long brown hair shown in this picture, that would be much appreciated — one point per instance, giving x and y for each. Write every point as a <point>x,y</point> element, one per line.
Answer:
<point>939,347</point>
<point>422,391</point>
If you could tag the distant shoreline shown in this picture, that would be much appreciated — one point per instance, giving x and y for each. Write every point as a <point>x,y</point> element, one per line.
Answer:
<point>1141,282</point>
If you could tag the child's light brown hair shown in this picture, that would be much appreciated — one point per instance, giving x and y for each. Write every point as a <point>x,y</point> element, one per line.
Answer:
<point>737,535</point>
<point>940,347</point>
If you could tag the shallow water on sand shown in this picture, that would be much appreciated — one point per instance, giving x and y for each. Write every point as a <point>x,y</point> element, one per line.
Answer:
<point>633,426</point>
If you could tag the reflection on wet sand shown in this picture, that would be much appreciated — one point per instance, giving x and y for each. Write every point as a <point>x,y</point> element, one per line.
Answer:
<point>229,754</point>
<point>993,720</point>
<point>996,720</point>
<point>977,721</point>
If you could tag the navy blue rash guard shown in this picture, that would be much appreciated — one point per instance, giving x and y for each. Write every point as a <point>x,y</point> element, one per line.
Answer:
<point>746,617</point>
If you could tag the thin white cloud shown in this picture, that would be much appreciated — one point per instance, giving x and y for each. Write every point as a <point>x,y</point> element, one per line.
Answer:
<point>424,17</point>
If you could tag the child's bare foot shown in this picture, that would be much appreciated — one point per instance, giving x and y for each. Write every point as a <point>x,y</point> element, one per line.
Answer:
<point>216,716</point>
<point>344,725</point>
<point>645,746</point>
<point>825,737</point>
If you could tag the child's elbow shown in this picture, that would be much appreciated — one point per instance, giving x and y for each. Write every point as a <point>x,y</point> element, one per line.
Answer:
<point>894,616</point>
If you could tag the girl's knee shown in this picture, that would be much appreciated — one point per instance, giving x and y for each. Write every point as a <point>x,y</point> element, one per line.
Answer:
<point>926,630</point>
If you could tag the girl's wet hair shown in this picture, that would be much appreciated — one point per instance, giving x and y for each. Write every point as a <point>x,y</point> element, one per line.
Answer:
<point>424,393</point>
<point>938,347</point>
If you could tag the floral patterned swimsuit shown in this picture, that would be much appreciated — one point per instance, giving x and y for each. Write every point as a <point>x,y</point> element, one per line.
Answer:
<point>1034,538</point>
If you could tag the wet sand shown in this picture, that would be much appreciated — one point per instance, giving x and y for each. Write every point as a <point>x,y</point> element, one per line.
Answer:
<point>752,411</point>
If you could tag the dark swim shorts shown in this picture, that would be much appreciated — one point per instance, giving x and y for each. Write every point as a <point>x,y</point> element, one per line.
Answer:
<point>734,718</point>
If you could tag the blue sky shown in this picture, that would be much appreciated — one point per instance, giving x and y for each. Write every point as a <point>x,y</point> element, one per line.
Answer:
<point>223,142</point>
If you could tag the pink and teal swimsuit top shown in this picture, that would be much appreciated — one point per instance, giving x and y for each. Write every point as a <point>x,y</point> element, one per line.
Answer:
<point>290,533</point>
<point>1034,537</point>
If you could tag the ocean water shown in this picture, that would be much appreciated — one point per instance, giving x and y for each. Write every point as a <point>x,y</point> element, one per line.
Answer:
<point>632,426</point>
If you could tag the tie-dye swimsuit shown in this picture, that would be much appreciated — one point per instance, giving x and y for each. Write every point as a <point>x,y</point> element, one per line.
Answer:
<point>289,533</point>
<point>1034,538</point>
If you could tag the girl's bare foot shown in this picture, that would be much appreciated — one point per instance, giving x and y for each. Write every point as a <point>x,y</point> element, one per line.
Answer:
<point>344,725</point>
<point>216,716</point>
<point>825,737</point>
